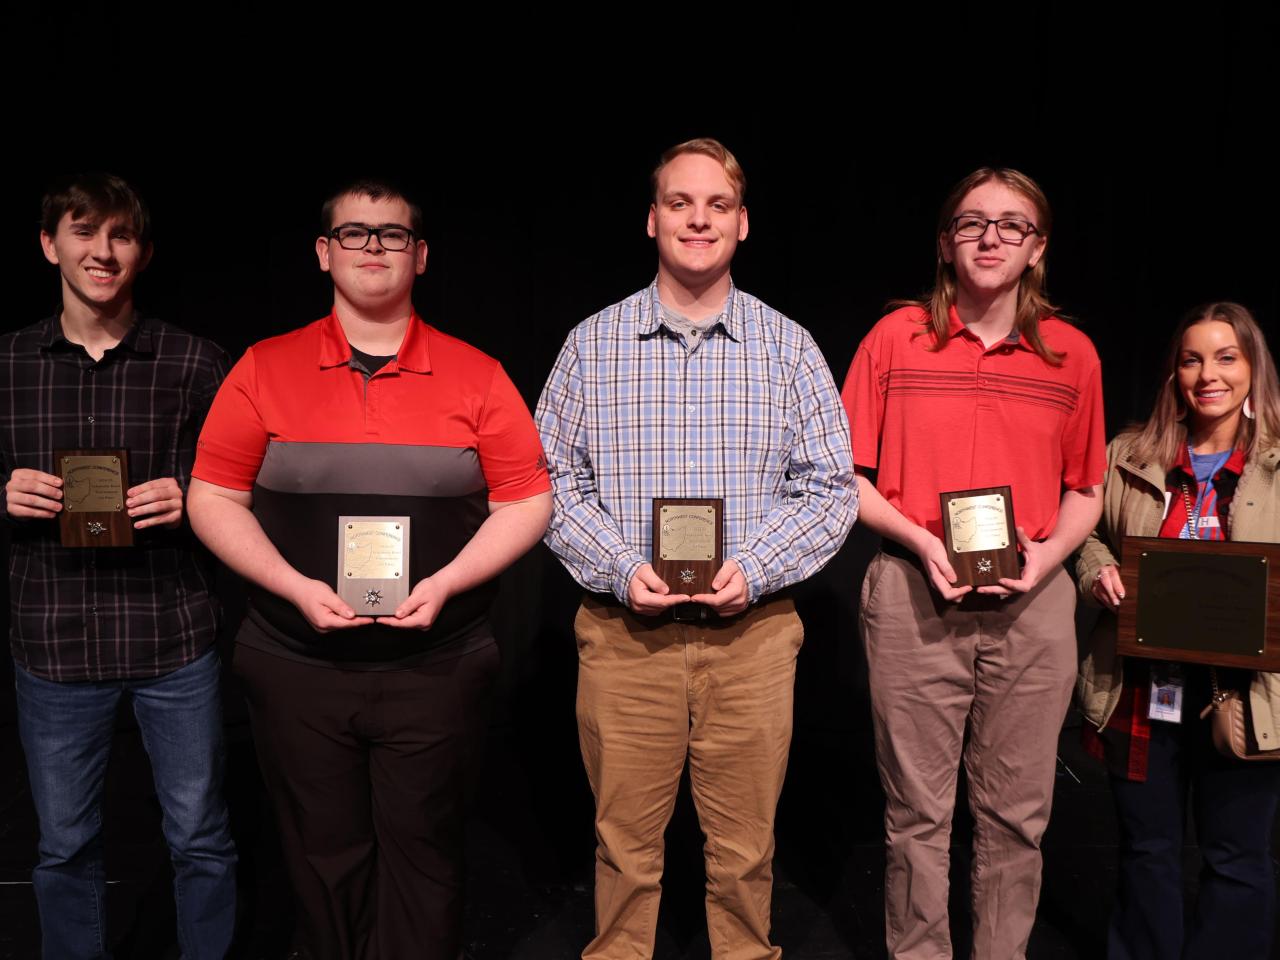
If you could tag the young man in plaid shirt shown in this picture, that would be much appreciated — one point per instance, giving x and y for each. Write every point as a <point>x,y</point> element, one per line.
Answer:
<point>692,389</point>
<point>90,625</point>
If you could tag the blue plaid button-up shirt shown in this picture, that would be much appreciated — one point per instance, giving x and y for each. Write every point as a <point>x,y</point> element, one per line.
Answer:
<point>748,412</point>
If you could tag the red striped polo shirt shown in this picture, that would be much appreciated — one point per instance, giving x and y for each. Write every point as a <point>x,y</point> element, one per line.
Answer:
<point>971,416</point>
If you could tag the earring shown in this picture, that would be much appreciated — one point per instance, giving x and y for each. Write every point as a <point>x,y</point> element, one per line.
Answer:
<point>1247,409</point>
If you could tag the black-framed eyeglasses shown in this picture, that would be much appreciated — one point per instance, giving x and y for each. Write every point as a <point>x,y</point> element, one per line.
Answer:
<point>355,236</point>
<point>1008,229</point>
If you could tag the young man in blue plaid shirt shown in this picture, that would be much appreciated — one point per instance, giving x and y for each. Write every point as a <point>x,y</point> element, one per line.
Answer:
<point>691,389</point>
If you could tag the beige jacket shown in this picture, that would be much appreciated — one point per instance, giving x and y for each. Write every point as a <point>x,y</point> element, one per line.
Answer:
<point>1133,503</point>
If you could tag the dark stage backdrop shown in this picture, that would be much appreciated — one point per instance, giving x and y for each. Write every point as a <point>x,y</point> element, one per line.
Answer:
<point>535,219</point>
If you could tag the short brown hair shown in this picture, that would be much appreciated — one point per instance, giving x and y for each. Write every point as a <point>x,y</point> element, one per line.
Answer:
<point>374,189</point>
<point>707,147</point>
<point>100,194</point>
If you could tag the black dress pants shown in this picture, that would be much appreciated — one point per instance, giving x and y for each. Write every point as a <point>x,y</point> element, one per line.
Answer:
<point>368,772</point>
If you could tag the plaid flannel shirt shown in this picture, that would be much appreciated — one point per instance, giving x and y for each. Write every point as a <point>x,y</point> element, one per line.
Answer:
<point>107,613</point>
<point>748,412</point>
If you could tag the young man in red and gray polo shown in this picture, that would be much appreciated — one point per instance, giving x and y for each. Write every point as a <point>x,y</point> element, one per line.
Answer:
<point>365,730</point>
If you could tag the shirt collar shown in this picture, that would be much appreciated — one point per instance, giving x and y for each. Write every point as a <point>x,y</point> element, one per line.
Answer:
<point>650,318</point>
<point>1233,464</point>
<point>413,354</point>
<point>956,327</point>
<point>137,339</point>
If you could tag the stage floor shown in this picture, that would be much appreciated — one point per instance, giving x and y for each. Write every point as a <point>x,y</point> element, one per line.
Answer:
<point>531,857</point>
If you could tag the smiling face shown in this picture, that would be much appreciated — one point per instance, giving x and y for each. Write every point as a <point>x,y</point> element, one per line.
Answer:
<point>988,265</point>
<point>1214,375</point>
<point>98,256</point>
<point>698,219</point>
<point>373,279</point>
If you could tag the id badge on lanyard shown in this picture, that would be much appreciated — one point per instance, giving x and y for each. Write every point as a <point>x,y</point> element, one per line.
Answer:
<point>1167,683</point>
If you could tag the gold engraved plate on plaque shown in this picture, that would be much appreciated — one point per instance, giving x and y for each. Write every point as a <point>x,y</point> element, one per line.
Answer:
<point>978,523</point>
<point>687,533</point>
<point>372,550</point>
<point>92,484</point>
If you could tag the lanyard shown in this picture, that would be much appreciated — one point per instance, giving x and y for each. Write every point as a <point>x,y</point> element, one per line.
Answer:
<point>1202,490</point>
<point>1193,514</point>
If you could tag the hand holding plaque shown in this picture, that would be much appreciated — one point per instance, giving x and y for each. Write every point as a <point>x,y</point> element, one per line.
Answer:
<point>93,494</point>
<point>373,564</point>
<point>979,534</point>
<point>156,503</point>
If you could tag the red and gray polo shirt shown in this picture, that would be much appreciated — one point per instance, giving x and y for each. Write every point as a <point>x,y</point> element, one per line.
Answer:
<point>433,435</point>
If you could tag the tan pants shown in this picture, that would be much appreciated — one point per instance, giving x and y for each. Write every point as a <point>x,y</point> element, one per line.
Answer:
<point>651,693</point>
<point>1004,668</point>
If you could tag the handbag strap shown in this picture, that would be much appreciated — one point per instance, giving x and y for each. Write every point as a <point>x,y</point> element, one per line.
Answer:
<point>1219,696</point>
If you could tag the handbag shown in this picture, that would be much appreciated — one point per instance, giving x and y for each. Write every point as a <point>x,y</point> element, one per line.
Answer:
<point>1232,725</point>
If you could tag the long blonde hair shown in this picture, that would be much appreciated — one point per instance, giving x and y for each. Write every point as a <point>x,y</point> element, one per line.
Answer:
<point>1033,301</point>
<point>1162,437</point>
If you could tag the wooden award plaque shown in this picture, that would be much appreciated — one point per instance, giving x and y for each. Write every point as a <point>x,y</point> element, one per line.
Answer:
<point>373,564</point>
<point>979,533</point>
<point>688,542</point>
<point>93,486</point>
<point>1201,601</point>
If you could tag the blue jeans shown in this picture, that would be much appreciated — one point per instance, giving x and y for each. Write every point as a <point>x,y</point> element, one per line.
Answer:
<point>1234,805</point>
<point>66,731</point>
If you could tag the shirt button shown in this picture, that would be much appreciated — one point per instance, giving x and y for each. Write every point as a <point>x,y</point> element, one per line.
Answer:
<point>90,419</point>
<point>692,408</point>
<point>692,464</point>
<point>89,372</point>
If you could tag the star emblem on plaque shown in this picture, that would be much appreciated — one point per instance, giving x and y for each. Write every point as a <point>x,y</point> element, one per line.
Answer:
<point>686,576</point>
<point>984,565</point>
<point>97,528</point>
<point>373,597</point>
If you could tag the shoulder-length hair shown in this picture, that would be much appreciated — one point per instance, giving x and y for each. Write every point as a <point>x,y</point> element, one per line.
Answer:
<point>1033,301</point>
<point>1160,439</point>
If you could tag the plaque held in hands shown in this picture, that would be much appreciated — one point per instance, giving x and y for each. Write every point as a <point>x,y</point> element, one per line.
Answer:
<point>93,486</point>
<point>373,564</point>
<point>978,528</point>
<point>688,542</point>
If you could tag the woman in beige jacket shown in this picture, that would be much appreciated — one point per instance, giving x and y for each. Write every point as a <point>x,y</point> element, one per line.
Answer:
<point>1203,466</point>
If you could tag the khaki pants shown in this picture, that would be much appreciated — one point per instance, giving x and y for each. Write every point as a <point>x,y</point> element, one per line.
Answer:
<point>651,693</point>
<point>1006,670</point>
